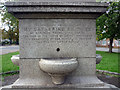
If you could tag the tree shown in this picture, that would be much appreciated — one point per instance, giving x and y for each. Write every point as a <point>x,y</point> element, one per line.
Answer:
<point>108,25</point>
<point>11,23</point>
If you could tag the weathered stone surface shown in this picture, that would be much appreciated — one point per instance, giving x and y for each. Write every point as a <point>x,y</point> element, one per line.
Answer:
<point>52,7</point>
<point>15,59</point>
<point>57,0</point>
<point>42,37</point>
<point>31,74</point>
<point>57,29</point>
<point>59,68</point>
<point>98,58</point>
<point>69,87</point>
<point>55,3</point>
<point>55,16</point>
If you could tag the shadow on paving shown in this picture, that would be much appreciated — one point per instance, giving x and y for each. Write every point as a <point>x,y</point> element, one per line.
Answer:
<point>105,78</point>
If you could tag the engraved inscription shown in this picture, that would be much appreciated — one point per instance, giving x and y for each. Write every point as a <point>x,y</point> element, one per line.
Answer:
<point>59,34</point>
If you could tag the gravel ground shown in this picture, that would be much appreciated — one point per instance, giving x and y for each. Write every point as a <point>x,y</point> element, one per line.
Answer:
<point>105,78</point>
<point>109,79</point>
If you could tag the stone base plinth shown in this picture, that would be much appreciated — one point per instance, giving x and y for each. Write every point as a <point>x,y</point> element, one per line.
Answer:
<point>105,86</point>
<point>87,82</point>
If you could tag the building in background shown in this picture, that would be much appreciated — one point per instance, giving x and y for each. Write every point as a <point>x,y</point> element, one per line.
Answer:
<point>106,42</point>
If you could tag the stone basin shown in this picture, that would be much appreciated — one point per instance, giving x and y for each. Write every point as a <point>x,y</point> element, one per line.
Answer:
<point>98,58</point>
<point>15,59</point>
<point>58,68</point>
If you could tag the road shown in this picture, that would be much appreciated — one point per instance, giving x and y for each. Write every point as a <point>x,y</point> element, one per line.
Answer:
<point>107,49</point>
<point>14,48</point>
<point>8,49</point>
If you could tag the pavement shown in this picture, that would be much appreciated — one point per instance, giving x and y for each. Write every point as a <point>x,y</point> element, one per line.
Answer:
<point>14,48</point>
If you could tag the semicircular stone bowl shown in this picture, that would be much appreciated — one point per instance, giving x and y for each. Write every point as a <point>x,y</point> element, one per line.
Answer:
<point>58,68</point>
<point>98,58</point>
<point>15,59</point>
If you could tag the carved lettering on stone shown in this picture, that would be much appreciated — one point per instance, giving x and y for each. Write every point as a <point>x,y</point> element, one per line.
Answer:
<point>60,34</point>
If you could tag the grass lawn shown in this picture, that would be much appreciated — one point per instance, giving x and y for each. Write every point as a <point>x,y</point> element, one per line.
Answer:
<point>109,61</point>
<point>7,64</point>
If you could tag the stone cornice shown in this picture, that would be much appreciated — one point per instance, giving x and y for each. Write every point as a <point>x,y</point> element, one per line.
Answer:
<point>22,8</point>
<point>56,7</point>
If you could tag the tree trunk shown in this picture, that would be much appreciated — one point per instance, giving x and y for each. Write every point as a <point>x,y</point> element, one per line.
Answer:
<point>10,38</point>
<point>17,41</point>
<point>10,41</point>
<point>110,46</point>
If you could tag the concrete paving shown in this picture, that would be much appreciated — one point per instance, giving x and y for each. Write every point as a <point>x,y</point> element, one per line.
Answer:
<point>14,48</point>
<point>8,49</point>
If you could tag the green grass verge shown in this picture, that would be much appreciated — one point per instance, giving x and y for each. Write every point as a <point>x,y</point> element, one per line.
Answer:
<point>109,61</point>
<point>7,64</point>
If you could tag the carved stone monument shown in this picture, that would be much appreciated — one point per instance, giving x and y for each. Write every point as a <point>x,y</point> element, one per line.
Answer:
<point>57,43</point>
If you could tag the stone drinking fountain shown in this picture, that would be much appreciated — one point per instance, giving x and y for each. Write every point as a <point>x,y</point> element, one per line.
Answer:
<point>57,69</point>
<point>57,43</point>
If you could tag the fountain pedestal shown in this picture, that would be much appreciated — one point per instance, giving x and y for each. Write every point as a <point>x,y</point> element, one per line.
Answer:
<point>57,29</point>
